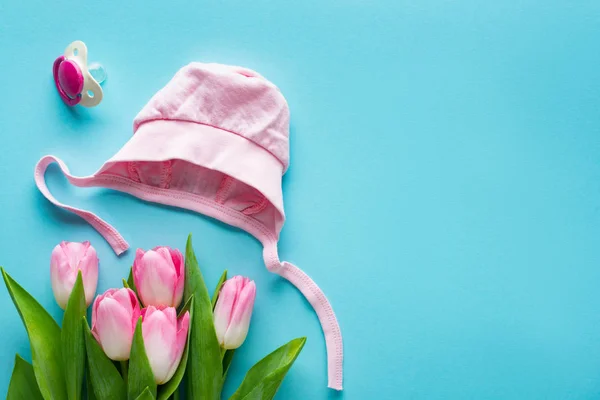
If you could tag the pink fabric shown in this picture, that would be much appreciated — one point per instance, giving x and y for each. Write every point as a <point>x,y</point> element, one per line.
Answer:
<point>232,155</point>
<point>214,141</point>
<point>233,99</point>
<point>111,235</point>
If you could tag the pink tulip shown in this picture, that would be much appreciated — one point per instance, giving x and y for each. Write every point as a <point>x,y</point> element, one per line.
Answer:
<point>114,316</point>
<point>233,311</point>
<point>66,260</point>
<point>159,276</point>
<point>164,340</point>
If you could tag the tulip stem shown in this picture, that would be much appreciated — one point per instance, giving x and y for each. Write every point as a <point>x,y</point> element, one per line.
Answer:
<point>124,371</point>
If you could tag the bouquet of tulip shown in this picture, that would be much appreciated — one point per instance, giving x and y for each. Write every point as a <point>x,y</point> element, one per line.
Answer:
<point>145,338</point>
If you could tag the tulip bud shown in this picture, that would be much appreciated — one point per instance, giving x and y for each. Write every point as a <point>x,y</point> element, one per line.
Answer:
<point>233,311</point>
<point>114,316</point>
<point>159,275</point>
<point>164,340</point>
<point>66,260</point>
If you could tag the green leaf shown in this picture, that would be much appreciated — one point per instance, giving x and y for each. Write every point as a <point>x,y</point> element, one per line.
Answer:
<point>204,369</point>
<point>146,395</point>
<point>88,385</point>
<point>44,338</point>
<point>104,376</point>
<point>140,372</point>
<point>169,388</point>
<point>73,345</point>
<point>263,379</point>
<point>23,385</point>
<point>227,358</point>
<point>131,283</point>
<point>215,296</point>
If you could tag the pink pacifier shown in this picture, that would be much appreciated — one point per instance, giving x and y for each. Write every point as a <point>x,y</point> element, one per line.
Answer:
<point>76,81</point>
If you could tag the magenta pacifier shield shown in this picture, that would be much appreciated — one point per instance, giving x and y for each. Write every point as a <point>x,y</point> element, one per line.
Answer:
<point>76,82</point>
<point>68,81</point>
<point>70,78</point>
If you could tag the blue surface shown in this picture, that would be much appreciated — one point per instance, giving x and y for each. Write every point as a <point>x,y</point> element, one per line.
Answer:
<point>444,188</point>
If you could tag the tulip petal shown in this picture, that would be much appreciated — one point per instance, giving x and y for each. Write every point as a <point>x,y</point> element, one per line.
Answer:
<point>61,294</point>
<point>75,252</point>
<point>165,253</point>
<point>62,277</point>
<point>245,303</point>
<point>136,269</point>
<point>166,390</point>
<point>159,328</point>
<point>240,320</point>
<point>179,263</point>
<point>182,332</point>
<point>223,310</point>
<point>89,271</point>
<point>174,260</point>
<point>67,259</point>
<point>136,312</point>
<point>95,314</point>
<point>178,291</point>
<point>114,329</point>
<point>59,260</point>
<point>156,280</point>
<point>123,297</point>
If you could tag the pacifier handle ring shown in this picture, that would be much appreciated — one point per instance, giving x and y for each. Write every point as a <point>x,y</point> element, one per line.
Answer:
<point>91,86</point>
<point>70,101</point>
<point>78,50</point>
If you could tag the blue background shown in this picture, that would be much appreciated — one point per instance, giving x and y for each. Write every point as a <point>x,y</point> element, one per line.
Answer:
<point>444,189</point>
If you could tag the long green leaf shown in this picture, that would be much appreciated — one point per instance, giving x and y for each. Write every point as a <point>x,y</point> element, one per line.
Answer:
<point>44,338</point>
<point>88,385</point>
<point>204,369</point>
<point>227,359</point>
<point>73,345</point>
<point>140,372</point>
<point>215,296</point>
<point>23,385</point>
<point>106,380</point>
<point>169,388</point>
<point>263,379</point>
<point>145,395</point>
<point>131,283</point>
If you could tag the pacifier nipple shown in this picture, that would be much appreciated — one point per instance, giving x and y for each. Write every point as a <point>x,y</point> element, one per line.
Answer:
<point>76,81</point>
<point>98,72</point>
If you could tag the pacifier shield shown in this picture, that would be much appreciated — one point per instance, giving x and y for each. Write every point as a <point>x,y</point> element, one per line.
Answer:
<point>70,78</point>
<point>76,82</point>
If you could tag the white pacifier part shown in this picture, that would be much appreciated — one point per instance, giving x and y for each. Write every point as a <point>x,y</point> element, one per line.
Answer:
<point>93,74</point>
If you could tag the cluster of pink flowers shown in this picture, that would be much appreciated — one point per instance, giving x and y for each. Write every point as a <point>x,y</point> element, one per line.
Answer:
<point>159,277</point>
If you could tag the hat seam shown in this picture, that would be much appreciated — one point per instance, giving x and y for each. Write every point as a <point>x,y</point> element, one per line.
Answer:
<point>180,195</point>
<point>285,167</point>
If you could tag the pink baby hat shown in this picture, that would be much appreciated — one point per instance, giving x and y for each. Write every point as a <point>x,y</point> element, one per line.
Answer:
<point>214,140</point>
